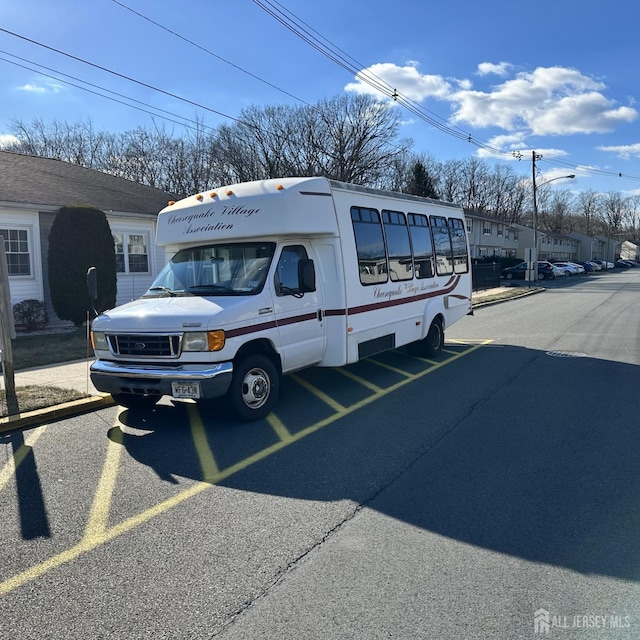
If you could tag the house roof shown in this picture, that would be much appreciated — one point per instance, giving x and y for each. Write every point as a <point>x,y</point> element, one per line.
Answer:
<point>35,180</point>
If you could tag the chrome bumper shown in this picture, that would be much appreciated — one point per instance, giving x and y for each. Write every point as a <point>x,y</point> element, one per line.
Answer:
<point>120,377</point>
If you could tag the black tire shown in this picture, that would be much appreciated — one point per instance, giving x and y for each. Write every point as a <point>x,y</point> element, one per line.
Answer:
<point>133,401</point>
<point>431,346</point>
<point>509,276</point>
<point>254,389</point>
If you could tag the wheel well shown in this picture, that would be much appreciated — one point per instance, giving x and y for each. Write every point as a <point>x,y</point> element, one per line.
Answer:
<point>263,347</point>
<point>440,318</point>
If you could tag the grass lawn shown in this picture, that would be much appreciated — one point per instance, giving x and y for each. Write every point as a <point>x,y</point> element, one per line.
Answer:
<point>38,350</point>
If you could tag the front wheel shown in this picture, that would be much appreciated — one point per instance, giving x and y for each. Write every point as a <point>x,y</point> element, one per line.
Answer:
<point>254,388</point>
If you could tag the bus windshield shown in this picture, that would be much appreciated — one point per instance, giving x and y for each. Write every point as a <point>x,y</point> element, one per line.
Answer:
<point>215,270</point>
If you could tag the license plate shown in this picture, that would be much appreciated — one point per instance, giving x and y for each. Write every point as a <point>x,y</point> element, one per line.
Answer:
<point>185,389</point>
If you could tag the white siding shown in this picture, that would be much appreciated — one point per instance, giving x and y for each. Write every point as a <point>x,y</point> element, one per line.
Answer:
<point>25,287</point>
<point>133,285</point>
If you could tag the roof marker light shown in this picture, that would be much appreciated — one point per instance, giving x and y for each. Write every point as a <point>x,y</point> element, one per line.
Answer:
<point>213,194</point>
<point>279,187</point>
<point>199,196</point>
<point>229,193</point>
<point>171,203</point>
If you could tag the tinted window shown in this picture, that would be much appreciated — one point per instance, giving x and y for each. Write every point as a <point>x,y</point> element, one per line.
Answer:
<point>422,246</point>
<point>372,260</point>
<point>442,244</point>
<point>398,245</point>
<point>458,245</point>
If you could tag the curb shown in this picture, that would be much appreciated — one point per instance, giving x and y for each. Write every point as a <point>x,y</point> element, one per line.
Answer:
<point>57,412</point>
<point>509,296</point>
<point>93,403</point>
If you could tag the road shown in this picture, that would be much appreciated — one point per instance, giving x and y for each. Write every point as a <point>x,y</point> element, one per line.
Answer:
<point>485,495</point>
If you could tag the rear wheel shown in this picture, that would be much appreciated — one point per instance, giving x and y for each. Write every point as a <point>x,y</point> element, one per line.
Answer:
<point>254,388</point>
<point>431,345</point>
<point>509,276</point>
<point>133,401</point>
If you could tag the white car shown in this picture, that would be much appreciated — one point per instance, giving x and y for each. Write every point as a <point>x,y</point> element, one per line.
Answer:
<point>558,272</point>
<point>569,268</point>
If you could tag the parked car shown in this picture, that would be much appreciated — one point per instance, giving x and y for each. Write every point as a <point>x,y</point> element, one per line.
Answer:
<point>622,264</point>
<point>518,272</point>
<point>605,264</point>
<point>596,266</point>
<point>569,268</point>
<point>588,267</point>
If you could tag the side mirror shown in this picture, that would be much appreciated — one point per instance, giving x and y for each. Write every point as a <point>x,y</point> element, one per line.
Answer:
<point>306,275</point>
<point>92,287</point>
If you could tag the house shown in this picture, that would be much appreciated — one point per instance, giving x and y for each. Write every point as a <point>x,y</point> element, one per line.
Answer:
<point>32,190</point>
<point>490,237</point>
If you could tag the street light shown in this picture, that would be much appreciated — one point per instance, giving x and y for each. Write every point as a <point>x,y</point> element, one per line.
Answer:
<point>535,202</point>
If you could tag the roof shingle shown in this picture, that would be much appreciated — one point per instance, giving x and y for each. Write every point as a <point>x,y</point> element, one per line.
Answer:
<point>36,180</point>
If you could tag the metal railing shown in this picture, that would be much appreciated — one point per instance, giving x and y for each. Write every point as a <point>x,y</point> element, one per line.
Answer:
<point>485,275</point>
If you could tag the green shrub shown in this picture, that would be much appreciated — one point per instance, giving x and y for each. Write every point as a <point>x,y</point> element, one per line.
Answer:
<point>32,314</point>
<point>80,238</point>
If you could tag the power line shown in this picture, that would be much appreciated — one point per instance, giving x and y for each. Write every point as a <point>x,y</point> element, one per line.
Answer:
<point>211,53</point>
<point>157,112</point>
<point>125,77</point>
<point>309,35</point>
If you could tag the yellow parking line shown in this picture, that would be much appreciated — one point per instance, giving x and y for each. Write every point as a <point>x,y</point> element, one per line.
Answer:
<point>97,534</point>
<point>277,425</point>
<point>205,455</point>
<point>365,383</point>
<point>99,513</point>
<point>384,365</point>
<point>336,406</point>
<point>16,459</point>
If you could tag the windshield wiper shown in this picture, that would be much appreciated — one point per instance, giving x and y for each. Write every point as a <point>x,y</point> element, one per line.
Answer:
<point>212,287</point>
<point>169,292</point>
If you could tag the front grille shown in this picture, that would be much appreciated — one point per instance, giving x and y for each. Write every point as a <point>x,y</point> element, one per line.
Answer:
<point>146,345</point>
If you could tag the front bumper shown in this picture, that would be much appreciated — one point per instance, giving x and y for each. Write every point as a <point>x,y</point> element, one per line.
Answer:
<point>147,379</point>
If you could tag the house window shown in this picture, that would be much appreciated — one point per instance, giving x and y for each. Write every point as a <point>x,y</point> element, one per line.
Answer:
<point>486,228</point>
<point>469,224</point>
<point>131,252</point>
<point>16,245</point>
<point>500,231</point>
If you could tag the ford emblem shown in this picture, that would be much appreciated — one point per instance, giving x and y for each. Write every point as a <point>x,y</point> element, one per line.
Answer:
<point>139,346</point>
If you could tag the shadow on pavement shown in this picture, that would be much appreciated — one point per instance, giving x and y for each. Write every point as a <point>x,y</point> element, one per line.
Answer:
<point>536,458</point>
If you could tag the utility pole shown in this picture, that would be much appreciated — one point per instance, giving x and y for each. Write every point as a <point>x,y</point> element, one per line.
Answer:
<point>532,257</point>
<point>7,334</point>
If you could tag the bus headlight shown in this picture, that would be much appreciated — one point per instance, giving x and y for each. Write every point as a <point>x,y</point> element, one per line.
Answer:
<point>99,341</point>
<point>203,341</point>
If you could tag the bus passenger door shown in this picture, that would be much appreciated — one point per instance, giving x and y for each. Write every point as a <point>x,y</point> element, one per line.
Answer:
<point>299,315</point>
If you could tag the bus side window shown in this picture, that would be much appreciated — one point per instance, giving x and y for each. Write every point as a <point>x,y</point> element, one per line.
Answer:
<point>286,278</point>
<point>421,245</point>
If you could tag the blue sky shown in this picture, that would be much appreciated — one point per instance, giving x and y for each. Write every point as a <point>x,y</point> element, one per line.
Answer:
<point>559,78</point>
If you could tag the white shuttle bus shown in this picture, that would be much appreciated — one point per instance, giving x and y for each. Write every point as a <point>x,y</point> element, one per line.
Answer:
<point>273,276</point>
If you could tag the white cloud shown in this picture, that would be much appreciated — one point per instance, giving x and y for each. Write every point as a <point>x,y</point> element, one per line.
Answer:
<point>406,80</point>
<point>488,68</point>
<point>6,139</point>
<point>626,152</point>
<point>47,87</point>
<point>547,101</point>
